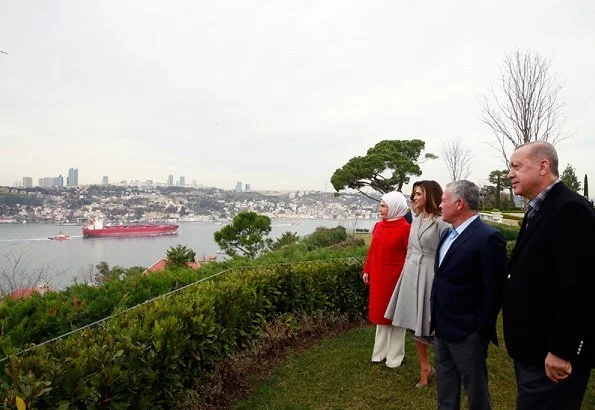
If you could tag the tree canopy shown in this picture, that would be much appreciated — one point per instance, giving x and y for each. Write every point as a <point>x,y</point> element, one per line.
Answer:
<point>501,182</point>
<point>288,238</point>
<point>245,234</point>
<point>179,256</point>
<point>569,178</point>
<point>386,167</point>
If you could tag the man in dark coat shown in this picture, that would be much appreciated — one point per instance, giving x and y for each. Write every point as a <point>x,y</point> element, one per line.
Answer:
<point>549,306</point>
<point>470,271</point>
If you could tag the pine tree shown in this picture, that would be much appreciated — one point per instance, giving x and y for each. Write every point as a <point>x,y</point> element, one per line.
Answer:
<point>586,187</point>
<point>569,178</point>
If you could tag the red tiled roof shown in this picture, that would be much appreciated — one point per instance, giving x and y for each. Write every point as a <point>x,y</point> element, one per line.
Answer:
<point>23,293</point>
<point>159,266</point>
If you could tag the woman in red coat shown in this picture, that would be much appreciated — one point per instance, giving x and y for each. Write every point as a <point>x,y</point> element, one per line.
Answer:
<point>384,264</point>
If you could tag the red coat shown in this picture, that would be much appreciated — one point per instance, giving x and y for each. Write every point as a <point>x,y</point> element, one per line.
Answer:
<point>384,264</point>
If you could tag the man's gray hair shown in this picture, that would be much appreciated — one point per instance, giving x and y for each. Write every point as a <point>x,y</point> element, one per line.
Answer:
<point>467,191</point>
<point>539,150</point>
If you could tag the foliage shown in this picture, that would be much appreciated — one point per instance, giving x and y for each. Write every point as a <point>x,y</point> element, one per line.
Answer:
<point>245,234</point>
<point>40,318</point>
<point>569,178</point>
<point>525,107</point>
<point>101,273</point>
<point>220,388</point>
<point>13,200</point>
<point>348,243</point>
<point>510,232</point>
<point>499,179</point>
<point>386,167</point>
<point>287,238</point>
<point>515,217</point>
<point>179,256</point>
<point>586,187</point>
<point>323,237</point>
<point>144,357</point>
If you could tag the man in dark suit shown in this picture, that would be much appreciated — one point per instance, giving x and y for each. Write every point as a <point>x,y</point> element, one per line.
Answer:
<point>549,308</point>
<point>466,298</point>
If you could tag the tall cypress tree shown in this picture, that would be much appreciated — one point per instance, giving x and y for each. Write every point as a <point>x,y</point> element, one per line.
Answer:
<point>586,187</point>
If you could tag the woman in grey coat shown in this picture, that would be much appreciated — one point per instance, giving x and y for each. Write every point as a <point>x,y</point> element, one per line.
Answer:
<point>409,306</point>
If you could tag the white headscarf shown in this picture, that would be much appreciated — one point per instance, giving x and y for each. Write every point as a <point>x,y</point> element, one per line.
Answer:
<point>397,205</point>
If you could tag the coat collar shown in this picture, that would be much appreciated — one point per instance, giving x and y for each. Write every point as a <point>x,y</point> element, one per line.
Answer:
<point>425,225</point>
<point>461,239</point>
<point>527,231</point>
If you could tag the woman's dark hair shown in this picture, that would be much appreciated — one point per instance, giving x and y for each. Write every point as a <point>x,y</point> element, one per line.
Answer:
<point>433,192</point>
<point>415,185</point>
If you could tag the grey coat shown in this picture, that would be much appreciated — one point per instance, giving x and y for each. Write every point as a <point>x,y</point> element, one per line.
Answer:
<point>409,306</point>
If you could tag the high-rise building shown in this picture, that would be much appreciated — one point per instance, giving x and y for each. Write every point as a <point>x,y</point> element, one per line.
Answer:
<point>239,186</point>
<point>27,182</point>
<point>247,187</point>
<point>104,180</point>
<point>73,177</point>
<point>170,180</point>
<point>46,182</point>
<point>58,181</point>
<point>182,181</point>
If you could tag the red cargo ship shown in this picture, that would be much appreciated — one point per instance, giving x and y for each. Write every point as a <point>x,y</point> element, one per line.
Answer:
<point>95,228</point>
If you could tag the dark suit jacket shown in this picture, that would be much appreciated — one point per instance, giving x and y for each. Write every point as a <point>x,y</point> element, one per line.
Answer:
<point>468,285</point>
<point>548,300</point>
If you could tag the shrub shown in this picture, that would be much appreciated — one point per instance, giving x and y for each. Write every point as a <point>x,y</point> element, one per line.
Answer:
<point>323,237</point>
<point>510,232</point>
<point>348,243</point>
<point>515,217</point>
<point>144,357</point>
<point>41,318</point>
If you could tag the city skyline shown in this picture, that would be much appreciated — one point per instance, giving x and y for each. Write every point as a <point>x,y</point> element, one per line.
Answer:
<point>280,94</point>
<point>27,181</point>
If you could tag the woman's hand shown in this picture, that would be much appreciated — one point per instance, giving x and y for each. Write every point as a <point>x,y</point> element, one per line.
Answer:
<point>366,278</point>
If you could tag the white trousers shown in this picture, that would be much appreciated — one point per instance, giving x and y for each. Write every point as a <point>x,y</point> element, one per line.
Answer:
<point>389,344</point>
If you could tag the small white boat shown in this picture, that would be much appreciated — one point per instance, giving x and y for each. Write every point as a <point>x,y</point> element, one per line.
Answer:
<point>59,237</point>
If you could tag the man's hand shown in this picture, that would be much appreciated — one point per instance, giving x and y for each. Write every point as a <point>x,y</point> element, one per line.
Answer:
<point>556,368</point>
<point>366,278</point>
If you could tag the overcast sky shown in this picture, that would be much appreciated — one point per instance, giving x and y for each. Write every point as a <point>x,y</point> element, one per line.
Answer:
<point>277,94</point>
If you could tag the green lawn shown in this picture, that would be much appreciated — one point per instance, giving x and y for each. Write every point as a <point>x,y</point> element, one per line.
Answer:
<point>337,374</point>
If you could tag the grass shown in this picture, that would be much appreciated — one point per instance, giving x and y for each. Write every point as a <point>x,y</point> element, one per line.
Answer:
<point>338,374</point>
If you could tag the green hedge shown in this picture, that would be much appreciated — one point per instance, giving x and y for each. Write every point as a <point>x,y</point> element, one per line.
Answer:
<point>510,232</point>
<point>518,217</point>
<point>38,318</point>
<point>144,357</point>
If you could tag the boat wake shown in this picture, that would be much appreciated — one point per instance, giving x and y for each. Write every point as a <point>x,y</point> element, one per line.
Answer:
<point>25,240</point>
<point>35,239</point>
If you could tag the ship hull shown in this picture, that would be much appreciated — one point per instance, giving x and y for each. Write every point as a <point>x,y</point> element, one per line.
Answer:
<point>131,230</point>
